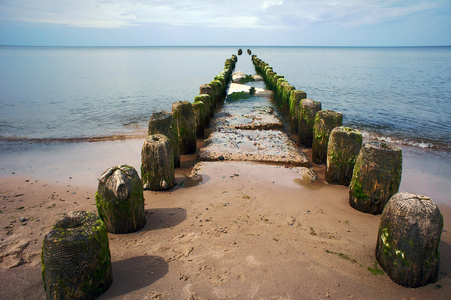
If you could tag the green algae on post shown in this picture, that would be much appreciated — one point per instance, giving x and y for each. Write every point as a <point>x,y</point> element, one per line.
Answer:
<point>408,240</point>
<point>343,147</point>
<point>120,200</point>
<point>75,257</point>
<point>376,177</point>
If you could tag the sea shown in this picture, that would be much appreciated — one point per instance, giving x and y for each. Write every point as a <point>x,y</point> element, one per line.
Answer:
<point>53,96</point>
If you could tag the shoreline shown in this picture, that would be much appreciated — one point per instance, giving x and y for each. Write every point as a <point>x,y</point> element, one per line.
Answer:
<point>247,230</point>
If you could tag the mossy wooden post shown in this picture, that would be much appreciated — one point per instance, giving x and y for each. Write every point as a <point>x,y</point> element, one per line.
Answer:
<point>408,240</point>
<point>286,93</point>
<point>240,51</point>
<point>75,257</point>
<point>325,121</point>
<point>342,150</point>
<point>307,112</point>
<point>295,98</point>
<point>376,177</point>
<point>163,122</point>
<point>206,100</point>
<point>184,115</point>
<point>157,167</point>
<point>199,116</point>
<point>120,200</point>
<point>206,89</point>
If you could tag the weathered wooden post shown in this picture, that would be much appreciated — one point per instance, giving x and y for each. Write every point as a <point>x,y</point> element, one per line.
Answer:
<point>206,99</point>
<point>249,51</point>
<point>408,240</point>
<point>307,112</point>
<point>342,150</point>
<point>163,122</point>
<point>76,261</point>
<point>376,177</point>
<point>184,115</point>
<point>120,200</point>
<point>199,116</point>
<point>206,89</point>
<point>295,98</point>
<point>157,167</point>
<point>325,121</point>
<point>240,51</point>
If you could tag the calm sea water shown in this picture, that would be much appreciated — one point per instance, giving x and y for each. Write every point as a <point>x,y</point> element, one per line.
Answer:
<point>64,94</point>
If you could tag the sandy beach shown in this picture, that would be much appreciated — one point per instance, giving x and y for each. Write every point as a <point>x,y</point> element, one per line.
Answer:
<point>246,231</point>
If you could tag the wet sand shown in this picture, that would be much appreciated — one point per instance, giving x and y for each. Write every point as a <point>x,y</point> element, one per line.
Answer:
<point>246,231</point>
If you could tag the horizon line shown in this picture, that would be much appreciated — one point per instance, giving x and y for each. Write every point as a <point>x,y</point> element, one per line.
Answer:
<point>229,46</point>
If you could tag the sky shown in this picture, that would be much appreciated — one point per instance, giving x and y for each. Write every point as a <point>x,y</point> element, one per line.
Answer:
<point>225,22</point>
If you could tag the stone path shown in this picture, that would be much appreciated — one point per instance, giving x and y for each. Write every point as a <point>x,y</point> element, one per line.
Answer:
<point>247,128</point>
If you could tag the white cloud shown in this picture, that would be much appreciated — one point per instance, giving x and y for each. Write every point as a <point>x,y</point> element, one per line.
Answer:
<point>231,14</point>
<point>269,3</point>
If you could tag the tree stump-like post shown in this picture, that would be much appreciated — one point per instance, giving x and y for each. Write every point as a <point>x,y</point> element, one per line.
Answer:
<point>342,150</point>
<point>325,121</point>
<point>199,116</point>
<point>240,51</point>
<point>120,200</point>
<point>163,122</point>
<point>408,240</point>
<point>307,112</point>
<point>157,167</point>
<point>207,89</point>
<point>295,99</point>
<point>376,177</point>
<point>75,258</point>
<point>184,115</point>
<point>206,100</point>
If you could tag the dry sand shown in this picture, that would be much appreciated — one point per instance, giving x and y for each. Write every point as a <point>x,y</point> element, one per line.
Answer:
<point>247,231</point>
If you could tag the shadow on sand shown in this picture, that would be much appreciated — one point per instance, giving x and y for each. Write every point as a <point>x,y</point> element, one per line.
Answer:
<point>135,273</point>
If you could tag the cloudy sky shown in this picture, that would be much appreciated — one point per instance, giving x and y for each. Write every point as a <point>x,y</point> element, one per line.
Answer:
<point>225,22</point>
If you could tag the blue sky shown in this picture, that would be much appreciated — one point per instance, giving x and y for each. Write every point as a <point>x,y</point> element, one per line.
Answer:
<point>225,22</point>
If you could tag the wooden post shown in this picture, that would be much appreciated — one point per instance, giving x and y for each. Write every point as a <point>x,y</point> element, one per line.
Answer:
<point>120,200</point>
<point>342,150</point>
<point>376,177</point>
<point>295,99</point>
<point>199,116</point>
<point>307,112</point>
<point>76,261</point>
<point>157,168</point>
<point>325,121</point>
<point>163,122</point>
<point>184,115</point>
<point>408,240</point>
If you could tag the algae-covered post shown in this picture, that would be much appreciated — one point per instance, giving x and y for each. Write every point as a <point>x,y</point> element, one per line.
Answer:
<point>184,115</point>
<point>206,89</point>
<point>199,116</point>
<point>295,99</point>
<point>163,122</point>
<point>307,112</point>
<point>206,99</point>
<point>240,51</point>
<point>408,240</point>
<point>120,200</point>
<point>325,121</point>
<point>76,261</point>
<point>249,51</point>
<point>157,169</point>
<point>376,177</point>
<point>342,150</point>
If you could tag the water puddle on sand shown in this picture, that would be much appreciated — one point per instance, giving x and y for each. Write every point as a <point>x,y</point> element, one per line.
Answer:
<point>307,183</point>
<point>194,181</point>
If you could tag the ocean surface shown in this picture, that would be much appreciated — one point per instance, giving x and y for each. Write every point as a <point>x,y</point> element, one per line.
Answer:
<point>69,95</point>
<point>73,93</point>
